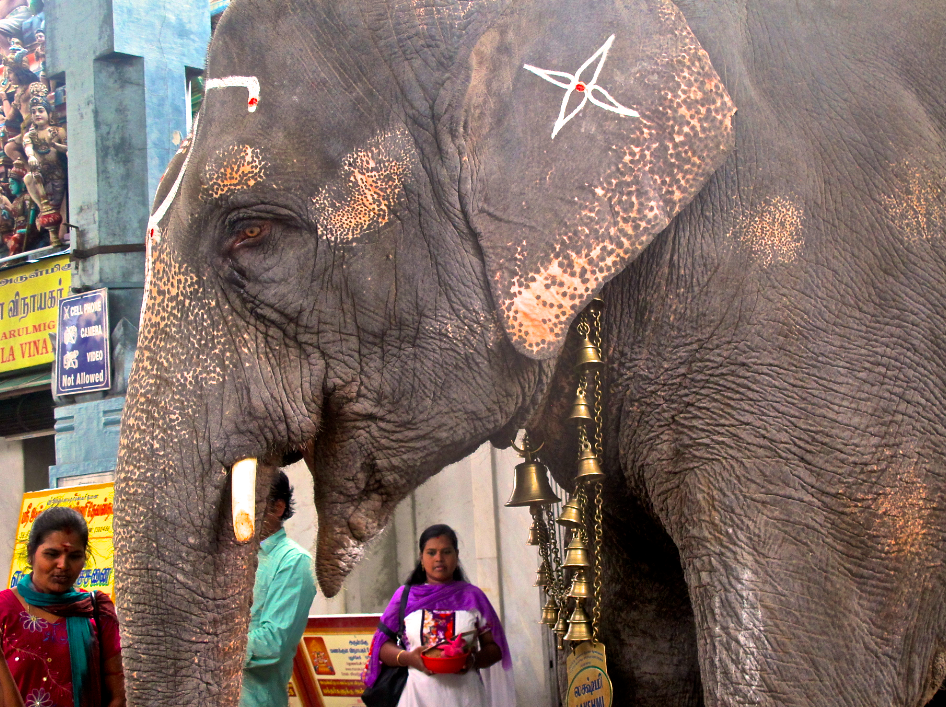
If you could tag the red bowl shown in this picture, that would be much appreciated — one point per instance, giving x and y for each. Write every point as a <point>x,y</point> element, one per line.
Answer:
<point>439,664</point>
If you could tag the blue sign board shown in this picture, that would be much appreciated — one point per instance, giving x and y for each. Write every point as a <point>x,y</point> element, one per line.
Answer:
<point>82,357</point>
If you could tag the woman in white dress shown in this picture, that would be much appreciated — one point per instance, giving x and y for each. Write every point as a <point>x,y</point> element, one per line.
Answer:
<point>441,606</point>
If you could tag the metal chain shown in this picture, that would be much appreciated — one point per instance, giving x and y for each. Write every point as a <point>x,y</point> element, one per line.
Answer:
<point>588,501</point>
<point>544,543</point>
<point>598,494</point>
<point>595,336</point>
<point>557,575</point>
<point>583,326</point>
<point>596,613</point>
<point>582,499</point>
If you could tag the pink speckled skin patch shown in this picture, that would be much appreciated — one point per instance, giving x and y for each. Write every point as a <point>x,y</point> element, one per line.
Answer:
<point>367,188</point>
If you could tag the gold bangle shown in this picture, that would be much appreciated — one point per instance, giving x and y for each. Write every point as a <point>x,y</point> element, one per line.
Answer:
<point>398,659</point>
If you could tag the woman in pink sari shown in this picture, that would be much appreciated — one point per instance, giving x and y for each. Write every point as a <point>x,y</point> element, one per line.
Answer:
<point>441,606</point>
<point>61,645</point>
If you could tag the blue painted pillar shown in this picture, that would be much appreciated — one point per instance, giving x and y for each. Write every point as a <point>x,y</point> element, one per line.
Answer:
<point>125,64</point>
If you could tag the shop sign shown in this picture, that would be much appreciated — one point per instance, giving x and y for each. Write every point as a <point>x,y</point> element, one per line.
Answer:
<point>331,657</point>
<point>94,502</point>
<point>82,360</point>
<point>588,681</point>
<point>29,300</point>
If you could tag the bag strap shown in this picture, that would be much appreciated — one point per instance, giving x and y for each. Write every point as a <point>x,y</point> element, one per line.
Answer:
<point>400,614</point>
<point>382,627</point>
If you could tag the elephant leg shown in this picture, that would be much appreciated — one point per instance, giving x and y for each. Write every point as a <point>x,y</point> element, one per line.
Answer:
<point>810,596</point>
<point>647,621</point>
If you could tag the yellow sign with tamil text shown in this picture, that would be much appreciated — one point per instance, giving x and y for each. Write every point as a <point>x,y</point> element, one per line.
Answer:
<point>29,305</point>
<point>331,658</point>
<point>588,681</point>
<point>94,502</point>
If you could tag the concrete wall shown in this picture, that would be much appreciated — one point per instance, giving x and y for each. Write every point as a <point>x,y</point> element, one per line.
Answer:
<point>11,477</point>
<point>125,64</point>
<point>468,496</point>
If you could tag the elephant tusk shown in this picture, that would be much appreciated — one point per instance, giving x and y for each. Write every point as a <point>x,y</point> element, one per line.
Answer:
<point>243,487</point>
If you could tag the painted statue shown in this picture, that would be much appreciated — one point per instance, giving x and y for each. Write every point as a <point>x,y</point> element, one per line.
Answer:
<point>376,259</point>
<point>45,146</point>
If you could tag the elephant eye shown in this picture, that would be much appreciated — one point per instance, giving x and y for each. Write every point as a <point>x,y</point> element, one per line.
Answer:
<point>250,234</point>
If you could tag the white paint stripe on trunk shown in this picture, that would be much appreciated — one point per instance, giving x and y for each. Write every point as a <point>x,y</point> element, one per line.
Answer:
<point>153,235</point>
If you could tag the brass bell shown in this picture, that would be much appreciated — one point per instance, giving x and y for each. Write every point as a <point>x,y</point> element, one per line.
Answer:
<point>581,589</point>
<point>549,613</point>
<point>531,486</point>
<point>576,555</point>
<point>560,629</point>
<point>580,408</point>
<point>589,468</point>
<point>579,626</point>
<point>561,626</point>
<point>534,537</point>
<point>542,578</point>
<point>589,358</point>
<point>571,515</point>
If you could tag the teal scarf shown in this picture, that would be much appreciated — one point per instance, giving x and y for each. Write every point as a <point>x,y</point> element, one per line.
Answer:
<point>78,628</point>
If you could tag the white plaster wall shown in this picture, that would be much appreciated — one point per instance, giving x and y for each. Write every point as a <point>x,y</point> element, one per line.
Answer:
<point>367,589</point>
<point>527,638</point>
<point>11,479</point>
<point>469,496</point>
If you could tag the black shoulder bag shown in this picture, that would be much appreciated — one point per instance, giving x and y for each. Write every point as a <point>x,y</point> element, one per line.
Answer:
<point>387,689</point>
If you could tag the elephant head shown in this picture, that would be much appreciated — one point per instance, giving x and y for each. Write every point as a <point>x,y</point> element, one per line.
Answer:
<point>369,252</point>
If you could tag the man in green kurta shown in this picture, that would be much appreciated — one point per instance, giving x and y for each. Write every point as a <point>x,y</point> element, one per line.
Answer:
<point>282,596</point>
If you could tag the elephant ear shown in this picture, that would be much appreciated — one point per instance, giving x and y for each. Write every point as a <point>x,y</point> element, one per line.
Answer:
<point>587,126</point>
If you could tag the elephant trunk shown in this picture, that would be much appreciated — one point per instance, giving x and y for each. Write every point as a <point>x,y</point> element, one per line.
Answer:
<point>183,580</point>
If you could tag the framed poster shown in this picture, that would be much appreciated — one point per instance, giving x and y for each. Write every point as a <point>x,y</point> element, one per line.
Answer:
<point>330,659</point>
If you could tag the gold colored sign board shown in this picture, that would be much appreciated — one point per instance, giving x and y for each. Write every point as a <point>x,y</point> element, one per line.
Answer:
<point>29,305</point>
<point>588,681</point>
<point>330,659</point>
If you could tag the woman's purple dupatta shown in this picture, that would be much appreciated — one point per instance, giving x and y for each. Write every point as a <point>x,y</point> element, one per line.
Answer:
<point>454,596</point>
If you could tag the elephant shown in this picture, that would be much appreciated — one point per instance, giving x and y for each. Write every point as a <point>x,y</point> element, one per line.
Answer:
<point>371,253</point>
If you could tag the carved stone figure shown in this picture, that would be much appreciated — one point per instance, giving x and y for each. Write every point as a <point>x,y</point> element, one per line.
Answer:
<point>44,145</point>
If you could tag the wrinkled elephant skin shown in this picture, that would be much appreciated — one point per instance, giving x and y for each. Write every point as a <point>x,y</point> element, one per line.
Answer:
<point>373,246</point>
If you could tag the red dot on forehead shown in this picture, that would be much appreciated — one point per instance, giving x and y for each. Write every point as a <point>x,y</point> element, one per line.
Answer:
<point>579,86</point>
<point>253,101</point>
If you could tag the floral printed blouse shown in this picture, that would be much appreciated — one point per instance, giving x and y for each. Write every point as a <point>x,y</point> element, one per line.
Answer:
<point>37,652</point>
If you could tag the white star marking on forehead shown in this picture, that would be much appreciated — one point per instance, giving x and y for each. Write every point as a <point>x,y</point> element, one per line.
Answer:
<point>573,83</point>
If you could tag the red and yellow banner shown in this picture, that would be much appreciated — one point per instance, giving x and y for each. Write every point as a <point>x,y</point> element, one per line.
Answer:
<point>29,306</point>
<point>330,659</point>
<point>94,502</point>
